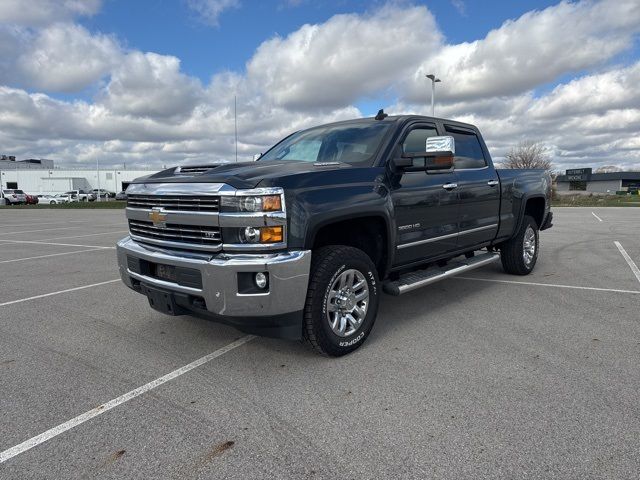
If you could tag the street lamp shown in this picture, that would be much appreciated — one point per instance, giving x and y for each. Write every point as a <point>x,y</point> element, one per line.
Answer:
<point>433,79</point>
<point>98,175</point>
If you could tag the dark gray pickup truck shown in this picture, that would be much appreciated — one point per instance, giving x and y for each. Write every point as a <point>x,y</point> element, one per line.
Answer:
<point>302,242</point>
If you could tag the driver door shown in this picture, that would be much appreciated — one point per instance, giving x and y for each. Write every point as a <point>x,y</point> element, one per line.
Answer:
<point>425,204</point>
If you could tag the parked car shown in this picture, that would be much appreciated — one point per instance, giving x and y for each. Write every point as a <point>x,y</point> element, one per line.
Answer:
<point>106,194</point>
<point>121,195</point>
<point>52,199</point>
<point>31,199</point>
<point>304,245</point>
<point>14,196</point>
<point>80,196</point>
<point>63,198</point>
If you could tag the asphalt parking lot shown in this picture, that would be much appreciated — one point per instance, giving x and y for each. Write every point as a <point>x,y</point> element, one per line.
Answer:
<point>486,376</point>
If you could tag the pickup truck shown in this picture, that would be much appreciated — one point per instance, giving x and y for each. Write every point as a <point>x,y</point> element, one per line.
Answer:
<point>80,196</point>
<point>301,243</point>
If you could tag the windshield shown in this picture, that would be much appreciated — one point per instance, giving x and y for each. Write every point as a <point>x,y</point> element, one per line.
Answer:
<point>354,143</point>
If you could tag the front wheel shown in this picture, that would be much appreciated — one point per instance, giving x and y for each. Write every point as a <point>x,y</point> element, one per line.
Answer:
<point>342,300</point>
<point>520,253</point>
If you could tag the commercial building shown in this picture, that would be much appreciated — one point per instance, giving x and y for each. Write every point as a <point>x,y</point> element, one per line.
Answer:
<point>31,177</point>
<point>10,163</point>
<point>583,181</point>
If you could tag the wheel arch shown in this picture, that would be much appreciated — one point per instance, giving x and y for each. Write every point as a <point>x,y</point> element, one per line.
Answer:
<point>368,231</point>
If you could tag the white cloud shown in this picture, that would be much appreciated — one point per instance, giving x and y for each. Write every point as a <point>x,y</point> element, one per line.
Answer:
<point>65,58</point>
<point>460,6</point>
<point>42,12</point>
<point>537,48</point>
<point>343,59</point>
<point>209,11</point>
<point>148,112</point>
<point>151,85</point>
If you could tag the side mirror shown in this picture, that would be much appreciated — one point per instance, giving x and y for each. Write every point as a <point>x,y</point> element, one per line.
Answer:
<point>438,157</point>
<point>441,145</point>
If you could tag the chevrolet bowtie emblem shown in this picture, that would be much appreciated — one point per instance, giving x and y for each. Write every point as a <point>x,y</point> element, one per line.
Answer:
<point>158,217</point>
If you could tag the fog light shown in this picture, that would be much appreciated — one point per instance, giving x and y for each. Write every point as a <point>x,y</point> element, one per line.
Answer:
<point>261,280</point>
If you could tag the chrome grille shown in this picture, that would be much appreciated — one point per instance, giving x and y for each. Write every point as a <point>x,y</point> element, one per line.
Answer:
<point>175,235</point>
<point>182,203</point>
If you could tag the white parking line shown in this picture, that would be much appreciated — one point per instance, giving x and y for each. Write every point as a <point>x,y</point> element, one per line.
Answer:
<point>632,264</point>
<point>41,223</point>
<point>549,285</point>
<point>599,219</point>
<point>51,255</point>
<point>50,243</point>
<point>99,410</point>
<point>60,228</point>
<point>40,230</point>
<point>35,297</point>
<point>87,235</point>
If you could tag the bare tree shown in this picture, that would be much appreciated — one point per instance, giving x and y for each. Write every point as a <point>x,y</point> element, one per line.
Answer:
<point>528,154</point>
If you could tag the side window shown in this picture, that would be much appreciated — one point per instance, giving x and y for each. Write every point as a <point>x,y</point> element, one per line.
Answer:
<point>468,150</point>
<point>306,150</point>
<point>416,140</point>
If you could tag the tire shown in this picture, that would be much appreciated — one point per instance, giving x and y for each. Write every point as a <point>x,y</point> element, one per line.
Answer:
<point>520,253</point>
<point>52,203</point>
<point>331,267</point>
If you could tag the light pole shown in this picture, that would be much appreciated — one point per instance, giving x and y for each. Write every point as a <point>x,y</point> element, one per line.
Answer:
<point>98,174</point>
<point>433,79</point>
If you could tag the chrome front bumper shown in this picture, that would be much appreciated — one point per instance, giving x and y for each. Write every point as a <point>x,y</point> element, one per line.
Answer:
<point>288,278</point>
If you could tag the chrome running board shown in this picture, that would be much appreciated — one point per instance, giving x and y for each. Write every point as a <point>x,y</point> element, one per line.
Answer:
<point>414,280</point>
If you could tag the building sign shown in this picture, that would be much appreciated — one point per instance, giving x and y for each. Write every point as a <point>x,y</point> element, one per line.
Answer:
<point>578,174</point>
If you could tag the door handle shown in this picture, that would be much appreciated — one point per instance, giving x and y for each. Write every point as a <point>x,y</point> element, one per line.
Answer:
<point>492,183</point>
<point>450,186</point>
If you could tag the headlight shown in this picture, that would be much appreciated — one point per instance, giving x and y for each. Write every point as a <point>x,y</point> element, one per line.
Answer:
<point>257,203</point>
<point>261,234</point>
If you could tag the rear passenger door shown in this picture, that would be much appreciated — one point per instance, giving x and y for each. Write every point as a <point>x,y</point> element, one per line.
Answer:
<point>478,188</point>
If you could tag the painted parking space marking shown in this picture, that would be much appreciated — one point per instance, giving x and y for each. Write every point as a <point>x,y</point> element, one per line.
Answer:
<point>93,249</point>
<point>599,219</point>
<point>42,223</point>
<point>86,235</point>
<point>59,228</point>
<point>35,297</point>
<point>51,243</point>
<point>553,285</point>
<point>629,260</point>
<point>105,407</point>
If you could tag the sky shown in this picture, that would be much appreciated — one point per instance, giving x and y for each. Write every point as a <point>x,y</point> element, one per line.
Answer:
<point>151,83</point>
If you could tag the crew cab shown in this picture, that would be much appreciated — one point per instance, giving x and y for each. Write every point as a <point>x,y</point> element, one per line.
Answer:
<point>303,242</point>
<point>80,196</point>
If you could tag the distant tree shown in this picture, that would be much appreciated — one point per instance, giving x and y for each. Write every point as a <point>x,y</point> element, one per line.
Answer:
<point>528,154</point>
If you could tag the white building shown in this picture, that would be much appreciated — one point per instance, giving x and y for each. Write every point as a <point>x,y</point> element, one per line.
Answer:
<point>53,180</point>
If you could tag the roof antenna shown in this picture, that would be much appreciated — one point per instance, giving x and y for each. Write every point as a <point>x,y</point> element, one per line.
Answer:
<point>381,115</point>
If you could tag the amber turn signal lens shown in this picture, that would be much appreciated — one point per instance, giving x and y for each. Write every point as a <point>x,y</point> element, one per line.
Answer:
<point>271,203</point>
<point>271,235</point>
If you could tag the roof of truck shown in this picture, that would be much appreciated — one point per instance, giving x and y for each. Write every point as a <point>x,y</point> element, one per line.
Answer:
<point>405,119</point>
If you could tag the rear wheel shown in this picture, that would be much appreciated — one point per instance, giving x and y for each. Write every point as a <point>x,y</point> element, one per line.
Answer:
<point>520,253</point>
<point>342,300</point>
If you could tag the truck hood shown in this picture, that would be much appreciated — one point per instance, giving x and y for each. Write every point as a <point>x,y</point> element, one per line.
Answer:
<point>240,175</point>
